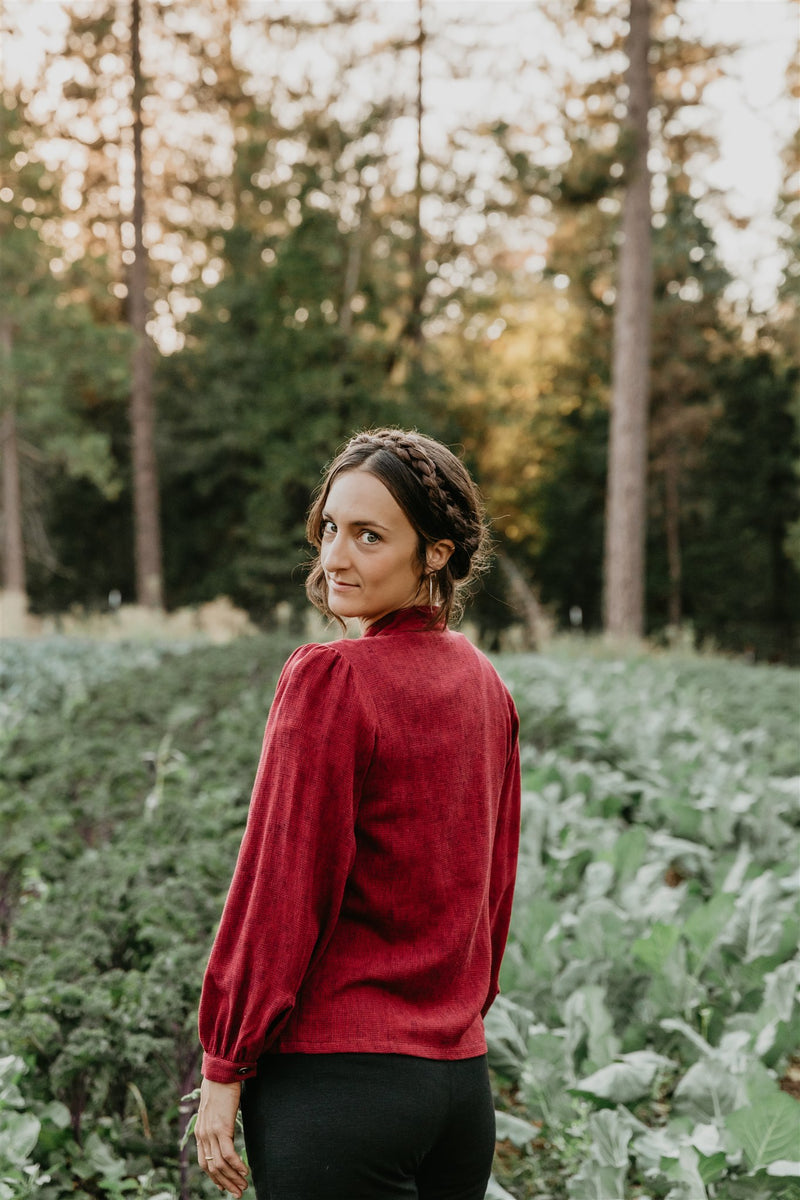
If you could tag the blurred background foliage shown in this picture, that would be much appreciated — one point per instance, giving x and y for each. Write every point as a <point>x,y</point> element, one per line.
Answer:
<point>309,276</point>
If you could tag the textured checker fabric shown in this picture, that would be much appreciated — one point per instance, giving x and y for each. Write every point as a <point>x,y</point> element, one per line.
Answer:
<point>370,904</point>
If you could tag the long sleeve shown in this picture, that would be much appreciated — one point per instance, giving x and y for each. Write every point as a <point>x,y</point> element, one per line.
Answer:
<point>504,862</point>
<point>295,857</point>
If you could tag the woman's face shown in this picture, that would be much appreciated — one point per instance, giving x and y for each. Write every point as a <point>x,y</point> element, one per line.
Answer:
<point>368,551</point>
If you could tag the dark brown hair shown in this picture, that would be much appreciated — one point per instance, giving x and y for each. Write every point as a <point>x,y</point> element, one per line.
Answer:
<point>437,495</point>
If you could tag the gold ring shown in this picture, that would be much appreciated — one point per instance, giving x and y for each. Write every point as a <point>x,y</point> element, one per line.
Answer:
<point>210,1159</point>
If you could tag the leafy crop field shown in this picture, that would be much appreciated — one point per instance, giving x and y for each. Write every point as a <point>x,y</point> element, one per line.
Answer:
<point>644,1043</point>
<point>649,1015</point>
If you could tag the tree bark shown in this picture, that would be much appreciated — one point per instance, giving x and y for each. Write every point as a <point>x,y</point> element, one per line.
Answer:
<point>147,532</point>
<point>624,573</point>
<point>672,517</point>
<point>14,600</point>
<point>524,601</point>
<point>404,362</point>
<point>416,265</point>
<point>352,270</point>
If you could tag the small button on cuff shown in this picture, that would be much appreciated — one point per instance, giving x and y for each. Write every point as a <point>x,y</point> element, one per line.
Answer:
<point>244,1070</point>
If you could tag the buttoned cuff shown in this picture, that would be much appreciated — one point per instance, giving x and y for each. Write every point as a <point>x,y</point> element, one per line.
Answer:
<point>222,1070</point>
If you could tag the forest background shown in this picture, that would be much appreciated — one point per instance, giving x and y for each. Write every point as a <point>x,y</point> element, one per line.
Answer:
<point>233,231</point>
<point>287,221</point>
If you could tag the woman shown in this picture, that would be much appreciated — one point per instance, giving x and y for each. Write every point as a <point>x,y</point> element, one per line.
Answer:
<point>361,939</point>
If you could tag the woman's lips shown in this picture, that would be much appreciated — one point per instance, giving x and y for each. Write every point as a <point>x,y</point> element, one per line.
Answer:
<point>338,586</point>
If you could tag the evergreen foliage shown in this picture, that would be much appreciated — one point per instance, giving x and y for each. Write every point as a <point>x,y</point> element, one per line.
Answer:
<point>302,285</point>
<point>61,361</point>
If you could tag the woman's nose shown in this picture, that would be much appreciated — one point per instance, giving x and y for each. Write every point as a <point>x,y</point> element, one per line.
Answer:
<point>334,555</point>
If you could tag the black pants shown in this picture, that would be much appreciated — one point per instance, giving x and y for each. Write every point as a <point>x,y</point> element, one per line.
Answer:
<point>369,1127</point>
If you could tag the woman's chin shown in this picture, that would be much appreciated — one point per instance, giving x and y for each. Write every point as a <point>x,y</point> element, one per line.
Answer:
<point>346,607</point>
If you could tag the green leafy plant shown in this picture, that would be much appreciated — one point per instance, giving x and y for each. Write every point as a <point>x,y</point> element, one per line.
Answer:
<point>652,971</point>
<point>649,1004</point>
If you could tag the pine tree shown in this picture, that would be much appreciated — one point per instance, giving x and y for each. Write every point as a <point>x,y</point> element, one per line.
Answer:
<point>624,568</point>
<point>118,111</point>
<point>147,531</point>
<point>689,323</point>
<point>15,596</point>
<point>783,330</point>
<point>56,357</point>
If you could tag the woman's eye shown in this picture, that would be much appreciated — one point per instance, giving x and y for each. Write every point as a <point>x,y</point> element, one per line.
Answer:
<point>369,537</point>
<point>328,527</point>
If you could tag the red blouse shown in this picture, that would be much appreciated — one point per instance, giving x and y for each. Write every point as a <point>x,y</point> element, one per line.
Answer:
<point>370,904</point>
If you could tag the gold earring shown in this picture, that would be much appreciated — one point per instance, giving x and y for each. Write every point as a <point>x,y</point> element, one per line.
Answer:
<point>430,587</point>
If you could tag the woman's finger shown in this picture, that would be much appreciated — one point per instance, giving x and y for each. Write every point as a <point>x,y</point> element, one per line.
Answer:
<point>216,1120</point>
<point>224,1166</point>
<point>207,1160</point>
<point>231,1159</point>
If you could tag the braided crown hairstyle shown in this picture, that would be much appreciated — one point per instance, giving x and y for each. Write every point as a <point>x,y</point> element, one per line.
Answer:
<point>437,495</point>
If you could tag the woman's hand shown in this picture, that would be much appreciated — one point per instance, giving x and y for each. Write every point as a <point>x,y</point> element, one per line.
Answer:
<point>216,1121</point>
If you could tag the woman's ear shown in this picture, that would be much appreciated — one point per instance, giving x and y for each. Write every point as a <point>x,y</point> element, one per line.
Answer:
<point>437,554</point>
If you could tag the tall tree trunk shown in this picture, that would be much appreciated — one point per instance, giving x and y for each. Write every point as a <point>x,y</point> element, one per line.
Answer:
<point>416,265</point>
<point>672,515</point>
<point>524,601</point>
<point>404,362</point>
<point>352,269</point>
<point>627,453</point>
<point>14,599</point>
<point>147,532</point>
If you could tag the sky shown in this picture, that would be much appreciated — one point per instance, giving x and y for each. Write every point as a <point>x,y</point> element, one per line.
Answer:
<point>754,118</point>
<point>749,109</point>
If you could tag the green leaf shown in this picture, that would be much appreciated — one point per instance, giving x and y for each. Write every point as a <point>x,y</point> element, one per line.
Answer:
<point>610,1137</point>
<point>754,930</point>
<point>680,1026</point>
<point>188,1131</point>
<point>712,1167</point>
<point>602,929</point>
<point>19,1133</point>
<point>784,1169</point>
<point>707,1139</point>
<point>654,950</point>
<point>586,1016</point>
<point>704,926</point>
<point>629,853</point>
<point>707,1091</point>
<point>759,1084</point>
<point>56,1113</point>
<point>685,1172</point>
<point>652,1147</point>
<point>494,1191</point>
<point>506,1045</point>
<point>103,1159</point>
<point>629,1079</point>
<point>768,1132</point>
<point>597,1183</point>
<point>514,1129</point>
<point>543,1079</point>
<point>11,1067</point>
<point>780,990</point>
<point>753,1187</point>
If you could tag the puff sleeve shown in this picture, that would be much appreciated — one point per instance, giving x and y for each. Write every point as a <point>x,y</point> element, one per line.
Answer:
<point>295,857</point>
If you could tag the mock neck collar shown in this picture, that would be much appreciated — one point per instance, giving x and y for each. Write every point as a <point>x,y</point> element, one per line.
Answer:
<point>403,620</point>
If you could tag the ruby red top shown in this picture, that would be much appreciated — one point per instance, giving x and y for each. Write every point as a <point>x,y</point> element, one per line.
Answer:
<point>370,904</point>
